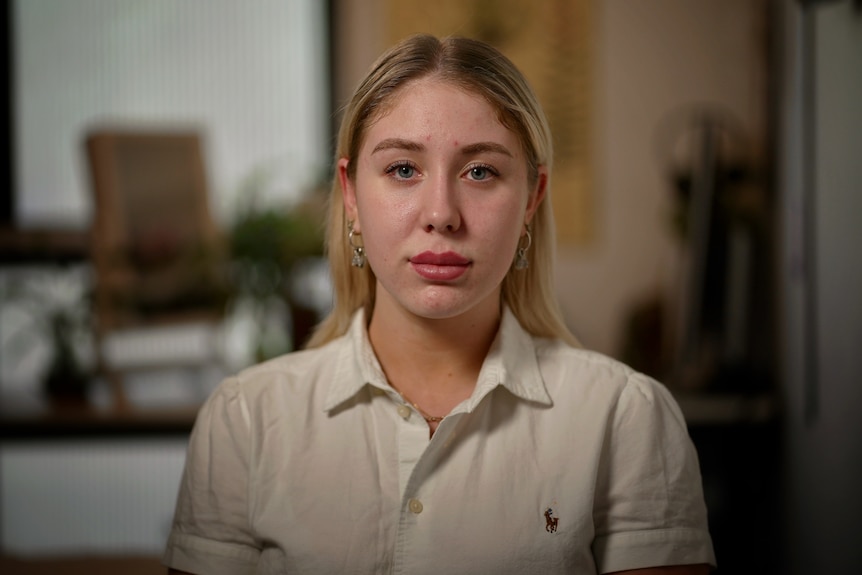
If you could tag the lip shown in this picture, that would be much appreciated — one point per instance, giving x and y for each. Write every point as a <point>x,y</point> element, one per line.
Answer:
<point>444,259</point>
<point>444,266</point>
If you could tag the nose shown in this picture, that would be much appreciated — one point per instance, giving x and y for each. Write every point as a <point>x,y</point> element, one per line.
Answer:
<point>441,211</point>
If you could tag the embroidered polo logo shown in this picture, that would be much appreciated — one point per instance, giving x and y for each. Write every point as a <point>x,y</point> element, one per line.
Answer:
<point>551,521</point>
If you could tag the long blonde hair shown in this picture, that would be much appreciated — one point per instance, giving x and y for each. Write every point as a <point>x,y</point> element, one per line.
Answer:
<point>481,69</point>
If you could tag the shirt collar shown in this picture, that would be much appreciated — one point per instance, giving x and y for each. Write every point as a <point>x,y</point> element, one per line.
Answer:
<point>511,362</point>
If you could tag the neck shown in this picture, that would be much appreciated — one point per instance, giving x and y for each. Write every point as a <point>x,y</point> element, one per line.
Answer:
<point>436,362</point>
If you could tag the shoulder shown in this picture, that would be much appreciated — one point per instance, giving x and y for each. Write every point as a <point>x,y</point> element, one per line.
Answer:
<point>560,361</point>
<point>569,371</point>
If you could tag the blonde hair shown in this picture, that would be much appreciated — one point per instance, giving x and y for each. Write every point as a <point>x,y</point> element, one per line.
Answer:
<point>480,69</point>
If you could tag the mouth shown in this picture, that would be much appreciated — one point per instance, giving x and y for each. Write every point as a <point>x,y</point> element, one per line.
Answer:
<point>444,266</point>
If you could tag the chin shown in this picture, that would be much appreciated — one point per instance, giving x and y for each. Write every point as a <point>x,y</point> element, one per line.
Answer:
<point>445,306</point>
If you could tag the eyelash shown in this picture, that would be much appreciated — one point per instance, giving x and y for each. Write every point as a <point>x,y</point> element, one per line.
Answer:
<point>393,168</point>
<point>480,166</point>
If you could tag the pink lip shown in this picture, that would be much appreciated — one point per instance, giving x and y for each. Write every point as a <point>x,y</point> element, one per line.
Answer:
<point>440,267</point>
<point>444,259</point>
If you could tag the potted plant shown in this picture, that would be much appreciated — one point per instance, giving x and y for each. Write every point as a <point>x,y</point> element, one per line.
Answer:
<point>266,243</point>
<point>49,310</point>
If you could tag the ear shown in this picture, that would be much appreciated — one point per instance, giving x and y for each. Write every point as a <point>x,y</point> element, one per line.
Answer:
<point>537,194</point>
<point>348,193</point>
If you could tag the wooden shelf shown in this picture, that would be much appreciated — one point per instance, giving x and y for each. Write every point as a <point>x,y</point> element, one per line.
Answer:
<point>95,565</point>
<point>23,246</point>
<point>76,423</point>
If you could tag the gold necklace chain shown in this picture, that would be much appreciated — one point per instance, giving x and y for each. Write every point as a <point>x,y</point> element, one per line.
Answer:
<point>422,412</point>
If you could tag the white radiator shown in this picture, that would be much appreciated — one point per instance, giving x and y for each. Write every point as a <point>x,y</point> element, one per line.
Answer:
<point>88,496</point>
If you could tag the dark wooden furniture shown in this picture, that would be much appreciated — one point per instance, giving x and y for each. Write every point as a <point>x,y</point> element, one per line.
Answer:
<point>155,249</point>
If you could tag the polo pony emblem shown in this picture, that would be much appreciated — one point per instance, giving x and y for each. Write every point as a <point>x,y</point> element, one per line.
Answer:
<point>551,521</point>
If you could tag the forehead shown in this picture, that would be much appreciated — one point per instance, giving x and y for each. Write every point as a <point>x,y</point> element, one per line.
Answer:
<point>431,105</point>
<point>418,86</point>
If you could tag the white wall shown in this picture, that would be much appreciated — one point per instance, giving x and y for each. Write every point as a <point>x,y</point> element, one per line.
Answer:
<point>252,75</point>
<point>822,270</point>
<point>654,61</point>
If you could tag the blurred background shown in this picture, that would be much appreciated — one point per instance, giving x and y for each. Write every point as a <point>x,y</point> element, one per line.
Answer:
<point>161,213</point>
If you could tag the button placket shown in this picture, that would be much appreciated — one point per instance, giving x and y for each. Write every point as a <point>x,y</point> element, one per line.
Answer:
<point>412,438</point>
<point>418,485</point>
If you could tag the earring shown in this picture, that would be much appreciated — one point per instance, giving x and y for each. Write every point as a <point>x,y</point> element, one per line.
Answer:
<point>521,261</point>
<point>358,260</point>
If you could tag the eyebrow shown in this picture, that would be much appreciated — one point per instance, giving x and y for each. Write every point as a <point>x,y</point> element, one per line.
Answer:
<point>398,144</point>
<point>411,146</point>
<point>483,147</point>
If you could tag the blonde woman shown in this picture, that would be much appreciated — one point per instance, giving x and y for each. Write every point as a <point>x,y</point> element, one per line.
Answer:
<point>443,419</point>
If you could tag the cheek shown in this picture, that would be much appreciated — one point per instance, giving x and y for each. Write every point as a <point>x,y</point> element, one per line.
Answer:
<point>506,246</point>
<point>503,221</point>
<point>383,213</point>
<point>384,218</point>
<point>385,225</point>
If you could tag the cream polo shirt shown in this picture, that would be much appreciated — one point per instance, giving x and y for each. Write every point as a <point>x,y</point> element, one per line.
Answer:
<point>562,461</point>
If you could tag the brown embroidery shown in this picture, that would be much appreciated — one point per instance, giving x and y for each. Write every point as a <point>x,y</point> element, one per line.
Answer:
<point>551,521</point>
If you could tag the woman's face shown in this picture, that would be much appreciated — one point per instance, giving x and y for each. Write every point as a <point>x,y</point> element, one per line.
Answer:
<point>440,196</point>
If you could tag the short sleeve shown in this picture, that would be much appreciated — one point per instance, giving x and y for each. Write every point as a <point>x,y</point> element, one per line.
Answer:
<point>210,532</point>
<point>649,508</point>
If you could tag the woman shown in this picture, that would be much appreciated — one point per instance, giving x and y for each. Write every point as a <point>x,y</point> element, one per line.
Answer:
<point>443,419</point>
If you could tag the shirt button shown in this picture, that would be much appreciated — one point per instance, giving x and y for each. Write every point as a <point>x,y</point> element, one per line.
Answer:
<point>404,411</point>
<point>415,506</point>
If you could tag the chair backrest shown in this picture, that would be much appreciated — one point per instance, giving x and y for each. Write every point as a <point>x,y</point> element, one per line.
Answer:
<point>154,245</point>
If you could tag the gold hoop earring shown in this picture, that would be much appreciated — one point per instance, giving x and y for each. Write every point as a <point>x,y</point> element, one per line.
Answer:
<point>358,260</point>
<point>521,261</point>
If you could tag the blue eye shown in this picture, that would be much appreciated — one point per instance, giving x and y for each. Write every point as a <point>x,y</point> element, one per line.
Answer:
<point>405,171</point>
<point>402,171</point>
<point>480,172</point>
